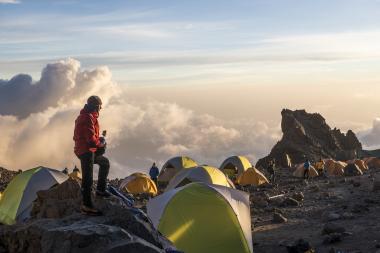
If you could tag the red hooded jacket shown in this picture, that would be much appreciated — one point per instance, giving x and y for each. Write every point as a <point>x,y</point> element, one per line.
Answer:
<point>86,132</point>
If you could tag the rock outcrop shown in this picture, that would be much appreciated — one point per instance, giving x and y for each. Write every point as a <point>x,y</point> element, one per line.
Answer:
<point>58,226</point>
<point>308,135</point>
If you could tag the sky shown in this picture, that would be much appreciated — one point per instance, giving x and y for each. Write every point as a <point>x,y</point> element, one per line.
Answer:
<point>200,78</point>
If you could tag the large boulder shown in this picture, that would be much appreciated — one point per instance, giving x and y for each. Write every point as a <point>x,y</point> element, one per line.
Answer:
<point>58,226</point>
<point>308,135</point>
<point>58,202</point>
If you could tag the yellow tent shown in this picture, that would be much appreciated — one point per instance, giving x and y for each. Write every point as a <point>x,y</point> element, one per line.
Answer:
<point>335,171</point>
<point>138,183</point>
<point>174,165</point>
<point>334,168</point>
<point>300,170</point>
<point>252,176</point>
<point>76,175</point>
<point>241,163</point>
<point>319,166</point>
<point>373,162</point>
<point>329,163</point>
<point>204,173</point>
<point>360,163</point>
<point>352,170</point>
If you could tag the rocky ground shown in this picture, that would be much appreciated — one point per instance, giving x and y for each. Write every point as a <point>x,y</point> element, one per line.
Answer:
<point>329,215</point>
<point>58,226</point>
<point>320,215</point>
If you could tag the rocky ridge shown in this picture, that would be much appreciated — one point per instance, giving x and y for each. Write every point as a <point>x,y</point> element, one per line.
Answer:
<point>308,135</point>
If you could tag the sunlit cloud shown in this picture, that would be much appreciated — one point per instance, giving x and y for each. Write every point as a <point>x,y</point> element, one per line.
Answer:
<point>139,131</point>
<point>371,137</point>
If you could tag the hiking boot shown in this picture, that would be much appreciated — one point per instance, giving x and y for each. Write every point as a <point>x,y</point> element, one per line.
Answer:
<point>90,211</point>
<point>103,194</point>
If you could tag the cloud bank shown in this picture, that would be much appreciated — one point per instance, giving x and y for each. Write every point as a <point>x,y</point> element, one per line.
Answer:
<point>61,83</point>
<point>37,121</point>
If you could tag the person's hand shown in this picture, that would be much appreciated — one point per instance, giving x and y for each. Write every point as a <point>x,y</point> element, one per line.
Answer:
<point>103,142</point>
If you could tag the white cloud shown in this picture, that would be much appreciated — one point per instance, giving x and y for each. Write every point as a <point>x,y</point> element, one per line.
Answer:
<point>9,2</point>
<point>61,83</point>
<point>138,132</point>
<point>371,137</point>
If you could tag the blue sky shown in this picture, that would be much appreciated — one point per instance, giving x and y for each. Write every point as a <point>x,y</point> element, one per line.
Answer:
<point>223,47</point>
<point>176,37</point>
<point>231,66</point>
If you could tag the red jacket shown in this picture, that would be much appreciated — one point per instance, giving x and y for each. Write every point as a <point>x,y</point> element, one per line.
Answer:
<point>86,132</point>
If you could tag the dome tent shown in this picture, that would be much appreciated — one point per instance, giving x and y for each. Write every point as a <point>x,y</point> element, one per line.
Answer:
<point>252,176</point>
<point>174,165</point>
<point>204,174</point>
<point>360,163</point>
<point>352,170</point>
<point>335,171</point>
<point>204,218</point>
<point>76,175</point>
<point>138,183</point>
<point>334,168</point>
<point>300,170</point>
<point>240,162</point>
<point>373,162</point>
<point>16,203</point>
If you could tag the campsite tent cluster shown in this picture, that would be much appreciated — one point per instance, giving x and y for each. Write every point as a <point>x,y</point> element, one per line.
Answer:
<point>200,210</point>
<point>236,168</point>
<point>333,168</point>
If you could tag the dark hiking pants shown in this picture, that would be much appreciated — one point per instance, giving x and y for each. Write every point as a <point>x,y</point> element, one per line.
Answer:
<point>306,174</point>
<point>273,177</point>
<point>154,179</point>
<point>87,161</point>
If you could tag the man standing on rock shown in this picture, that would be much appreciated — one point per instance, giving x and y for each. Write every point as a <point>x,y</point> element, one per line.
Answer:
<point>87,143</point>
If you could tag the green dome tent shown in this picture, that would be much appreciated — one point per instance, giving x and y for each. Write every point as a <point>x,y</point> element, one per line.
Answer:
<point>17,199</point>
<point>240,162</point>
<point>205,174</point>
<point>174,165</point>
<point>204,218</point>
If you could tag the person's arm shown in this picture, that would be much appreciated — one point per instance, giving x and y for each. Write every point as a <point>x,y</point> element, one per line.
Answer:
<point>89,131</point>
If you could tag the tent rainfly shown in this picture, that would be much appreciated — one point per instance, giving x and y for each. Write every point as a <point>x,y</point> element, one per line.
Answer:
<point>204,173</point>
<point>252,176</point>
<point>204,218</point>
<point>240,162</point>
<point>174,165</point>
<point>300,170</point>
<point>138,183</point>
<point>16,203</point>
